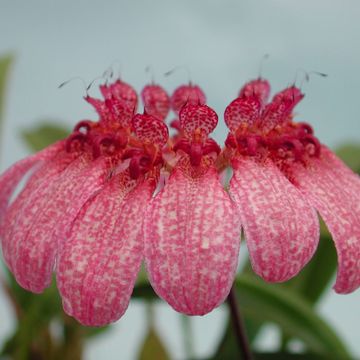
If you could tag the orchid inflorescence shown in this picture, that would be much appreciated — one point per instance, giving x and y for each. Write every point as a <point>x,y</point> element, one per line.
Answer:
<point>119,191</point>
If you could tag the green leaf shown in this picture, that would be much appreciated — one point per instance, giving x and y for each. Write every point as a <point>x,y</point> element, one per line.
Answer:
<point>350,154</point>
<point>294,315</point>
<point>314,279</point>
<point>44,135</point>
<point>153,348</point>
<point>5,64</point>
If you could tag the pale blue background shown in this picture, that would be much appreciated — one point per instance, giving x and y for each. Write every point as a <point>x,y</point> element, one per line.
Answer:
<point>222,43</point>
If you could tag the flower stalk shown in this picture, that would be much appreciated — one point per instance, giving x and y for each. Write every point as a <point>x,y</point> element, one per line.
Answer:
<point>239,327</point>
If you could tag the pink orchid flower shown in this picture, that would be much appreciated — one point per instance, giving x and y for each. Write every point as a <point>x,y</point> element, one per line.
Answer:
<point>192,234</point>
<point>81,208</point>
<point>88,210</point>
<point>281,176</point>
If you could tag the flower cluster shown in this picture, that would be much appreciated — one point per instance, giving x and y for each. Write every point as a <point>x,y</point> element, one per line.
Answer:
<point>119,191</point>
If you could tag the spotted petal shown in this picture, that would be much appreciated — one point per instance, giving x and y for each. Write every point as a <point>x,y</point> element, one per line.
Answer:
<point>333,189</point>
<point>260,88</point>
<point>20,214</point>
<point>151,129</point>
<point>10,179</point>
<point>187,94</point>
<point>35,250</point>
<point>98,265</point>
<point>192,241</point>
<point>194,117</point>
<point>281,228</point>
<point>156,101</point>
<point>242,112</point>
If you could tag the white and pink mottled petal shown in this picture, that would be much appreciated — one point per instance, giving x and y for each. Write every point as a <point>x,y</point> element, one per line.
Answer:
<point>192,240</point>
<point>97,267</point>
<point>151,129</point>
<point>194,117</point>
<point>242,112</point>
<point>11,178</point>
<point>20,215</point>
<point>34,258</point>
<point>281,228</point>
<point>333,189</point>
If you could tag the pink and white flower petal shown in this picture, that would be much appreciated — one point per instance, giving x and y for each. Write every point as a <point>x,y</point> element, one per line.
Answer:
<point>192,240</point>
<point>150,129</point>
<point>259,88</point>
<point>193,117</point>
<point>156,101</point>
<point>187,94</point>
<point>11,178</point>
<point>281,228</point>
<point>20,215</point>
<point>98,265</point>
<point>242,112</point>
<point>333,190</point>
<point>35,251</point>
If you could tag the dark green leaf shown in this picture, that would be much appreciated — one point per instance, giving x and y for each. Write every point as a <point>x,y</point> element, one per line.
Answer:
<point>350,154</point>
<point>44,135</point>
<point>293,315</point>
<point>5,64</point>
<point>153,348</point>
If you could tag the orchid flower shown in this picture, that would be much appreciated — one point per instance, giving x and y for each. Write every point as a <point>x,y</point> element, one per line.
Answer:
<point>281,176</point>
<point>119,191</point>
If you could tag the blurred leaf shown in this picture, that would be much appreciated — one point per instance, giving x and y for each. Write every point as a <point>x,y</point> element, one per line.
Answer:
<point>228,347</point>
<point>44,135</point>
<point>350,154</point>
<point>286,356</point>
<point>144,291</point>
<point>5,64</point>
<point>153,348</point>
<point>293,315</point>
<point>314,279</point>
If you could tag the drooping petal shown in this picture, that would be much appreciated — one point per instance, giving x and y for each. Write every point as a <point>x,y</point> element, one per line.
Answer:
<point>20,214</point>
<point>98,265</point>
<point>156,101</point>
<point>192,240</point>
<point>151,129</point>
<point>242,111</point>
<point>259,88</point>
<point>281,228</point>
<point>187,94</point>
<point>35,251</point>
<point>194,117</point>
<point>10,179</point>
<point>334,191</point>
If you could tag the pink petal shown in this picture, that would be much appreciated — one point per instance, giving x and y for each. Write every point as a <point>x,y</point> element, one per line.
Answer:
<point>242,111</point>
<point>125,93</point>
<point>259,88</point>
<point>151,129</point>
<point>20,214</point>
<point>98,265</point>
<point>187,94</point>
<point>35,251</point>
<point>281,107</point>
<point>194,117</point>
<point>281,228</point>
<point>192,240</point>
<point>333,189</point>
<point>156,101</point>
<point>10,179</point>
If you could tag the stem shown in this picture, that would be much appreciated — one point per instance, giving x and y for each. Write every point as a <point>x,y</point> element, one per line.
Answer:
<point>239,327</point>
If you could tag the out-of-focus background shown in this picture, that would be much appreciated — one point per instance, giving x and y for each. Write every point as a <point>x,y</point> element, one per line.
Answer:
<point>221,43</point>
